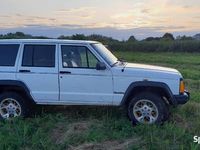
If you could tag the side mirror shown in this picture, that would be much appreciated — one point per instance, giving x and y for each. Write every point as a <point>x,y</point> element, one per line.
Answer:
<point>100,66</point>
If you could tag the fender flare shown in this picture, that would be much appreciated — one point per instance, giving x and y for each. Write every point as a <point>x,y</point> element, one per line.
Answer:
<point>148,84</point>
<point>13,84</point>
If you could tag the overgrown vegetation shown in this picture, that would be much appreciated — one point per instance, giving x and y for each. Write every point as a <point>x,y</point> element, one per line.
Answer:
<point>167,43</point>
<point>108,127</point>
<point>157,46</point>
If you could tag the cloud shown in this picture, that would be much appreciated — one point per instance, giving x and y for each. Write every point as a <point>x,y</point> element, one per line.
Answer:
<point>79,16</point>
<point>145,10</point>
<point>168,28</point>
<point>81,12</point>
<point>71,26</point>
<point>21,20</point>
<point>75,10</point>
<point>161,15</point>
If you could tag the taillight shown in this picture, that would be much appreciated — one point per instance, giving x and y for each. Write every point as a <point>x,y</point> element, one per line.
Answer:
<point>182,86</point>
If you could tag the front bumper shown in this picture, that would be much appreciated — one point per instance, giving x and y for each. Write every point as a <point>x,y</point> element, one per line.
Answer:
<point>183,98</point>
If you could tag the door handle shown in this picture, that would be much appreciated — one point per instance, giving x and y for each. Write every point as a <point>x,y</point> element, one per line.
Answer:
<point>24,71</point>
<point>65,72</point>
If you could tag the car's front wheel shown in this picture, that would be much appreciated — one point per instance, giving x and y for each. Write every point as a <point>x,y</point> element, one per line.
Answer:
<point>12,105</point>
<point>147,108</point>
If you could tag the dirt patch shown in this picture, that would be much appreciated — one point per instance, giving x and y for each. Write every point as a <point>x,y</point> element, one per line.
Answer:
<point>193,108</point>
<point>80,126</point>
<point>62,131</point>
<point>58,133</point>
<point>179,121</point>
<point>108,145</point>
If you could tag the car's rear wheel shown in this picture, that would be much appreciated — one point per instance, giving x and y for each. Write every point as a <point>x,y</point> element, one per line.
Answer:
<point>147,108</point>
<point>12,105</point>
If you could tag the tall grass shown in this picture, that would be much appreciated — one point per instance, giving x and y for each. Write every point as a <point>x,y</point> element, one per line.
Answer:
<point>82,127</point>
<point>157,46</point>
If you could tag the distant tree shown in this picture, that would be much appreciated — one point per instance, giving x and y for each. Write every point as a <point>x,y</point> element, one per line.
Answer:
<point>40,37</point>
<point>19,34</point>
<point>79,37</point>
<point>64,37</point>
<point>94,37</point>
<point>168,36</point>
<point>182,43</point>
<point>1,36</point>
<point>100,38</point>
<point>184,38</point>
<point>132,39</point>
<point>152,39</point>
<point>197,36</point>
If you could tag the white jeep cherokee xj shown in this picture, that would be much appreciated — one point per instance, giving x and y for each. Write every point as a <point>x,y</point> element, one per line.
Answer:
<point>66,72</point>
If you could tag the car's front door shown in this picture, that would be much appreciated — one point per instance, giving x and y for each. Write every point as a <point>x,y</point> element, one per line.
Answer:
<point>80,82</point>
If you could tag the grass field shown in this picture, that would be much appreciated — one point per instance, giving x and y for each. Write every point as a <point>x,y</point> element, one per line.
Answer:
<point>107,127</point>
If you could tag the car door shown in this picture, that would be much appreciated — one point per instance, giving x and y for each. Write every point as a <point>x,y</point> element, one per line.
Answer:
<point>80,82</point>
<point>38,69</point>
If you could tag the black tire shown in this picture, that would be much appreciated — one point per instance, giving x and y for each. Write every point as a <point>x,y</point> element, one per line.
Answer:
<point>167,112</point>
<point>159,104</point>
<point>25,107</point>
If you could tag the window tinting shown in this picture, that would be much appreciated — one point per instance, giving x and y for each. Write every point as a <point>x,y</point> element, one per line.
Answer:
<point>8,54</point>
<point>77,57</point>
<point>39,56</point>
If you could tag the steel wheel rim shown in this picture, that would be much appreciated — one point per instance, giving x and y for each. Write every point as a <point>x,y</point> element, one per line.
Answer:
<point>145,111</point>
<point>10,108</point>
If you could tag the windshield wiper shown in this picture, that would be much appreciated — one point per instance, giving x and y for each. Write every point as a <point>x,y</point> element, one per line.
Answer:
<point>122,60</point>
<point>115,63</point>
<point>119,60</point>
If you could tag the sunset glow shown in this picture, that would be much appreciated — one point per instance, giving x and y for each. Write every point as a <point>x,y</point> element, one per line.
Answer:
<point>156,15</point>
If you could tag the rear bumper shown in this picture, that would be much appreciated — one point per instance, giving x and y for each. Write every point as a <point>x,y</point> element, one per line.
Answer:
<point>183,98</point>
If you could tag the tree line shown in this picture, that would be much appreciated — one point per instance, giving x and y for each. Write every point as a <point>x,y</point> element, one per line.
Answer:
<point>166,43</point>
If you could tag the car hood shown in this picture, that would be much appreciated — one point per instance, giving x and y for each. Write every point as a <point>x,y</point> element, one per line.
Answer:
<point>150,67</point>
<point>146,71</point>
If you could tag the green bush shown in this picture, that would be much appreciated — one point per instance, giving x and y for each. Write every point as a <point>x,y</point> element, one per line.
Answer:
<point>156,46</point>
<point>151,44</point>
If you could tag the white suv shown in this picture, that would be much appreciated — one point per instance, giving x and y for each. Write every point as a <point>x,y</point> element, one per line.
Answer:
<point>65,72</point>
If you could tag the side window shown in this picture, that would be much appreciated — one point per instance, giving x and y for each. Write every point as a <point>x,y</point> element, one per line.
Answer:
<point>39,56</point>
<point>77,57</point>
<point>8,54</point>
<point>92,61</point>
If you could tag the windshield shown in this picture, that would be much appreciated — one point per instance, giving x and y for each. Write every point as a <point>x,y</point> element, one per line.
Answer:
<point>105,53</point>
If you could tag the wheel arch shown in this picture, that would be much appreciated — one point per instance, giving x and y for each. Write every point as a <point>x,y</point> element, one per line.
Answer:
<point>148,86</point>
<point>18,87</point>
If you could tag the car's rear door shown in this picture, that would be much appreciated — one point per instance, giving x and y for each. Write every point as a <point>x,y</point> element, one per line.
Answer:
<point>38,69</point>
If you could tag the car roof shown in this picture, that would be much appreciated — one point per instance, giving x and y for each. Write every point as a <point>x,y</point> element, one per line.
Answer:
<point>46,41</point>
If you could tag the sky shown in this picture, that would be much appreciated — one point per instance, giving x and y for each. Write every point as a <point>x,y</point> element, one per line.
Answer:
<point>116,18</point>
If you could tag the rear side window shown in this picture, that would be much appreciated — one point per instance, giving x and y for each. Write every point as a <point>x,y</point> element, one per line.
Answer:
<point>8,54</point>
<point>39,56</point>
